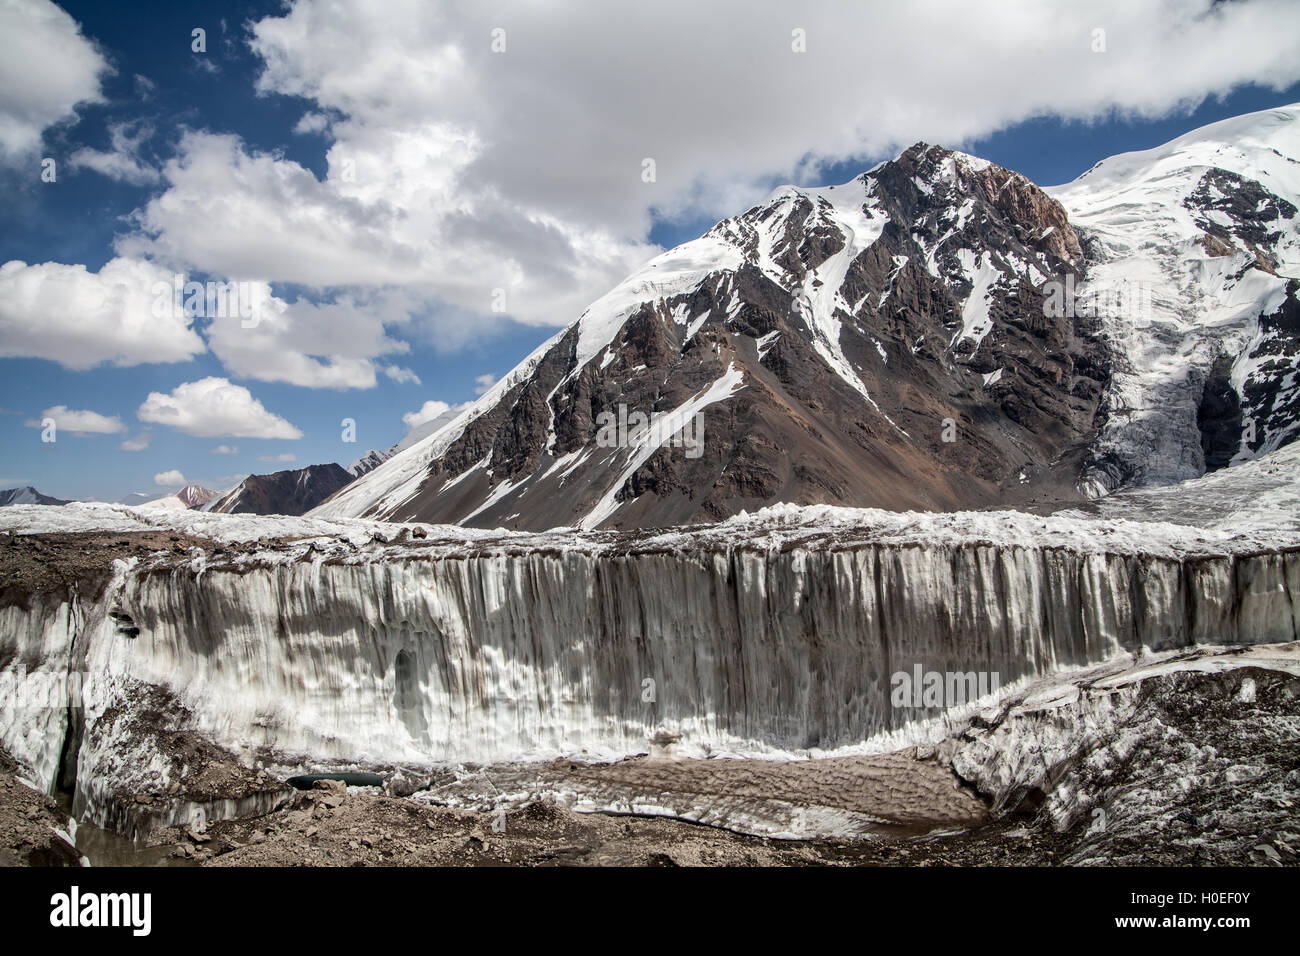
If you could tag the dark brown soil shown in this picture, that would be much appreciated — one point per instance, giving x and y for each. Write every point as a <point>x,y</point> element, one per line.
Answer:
<point>28,820</point>
<point>60,563</point>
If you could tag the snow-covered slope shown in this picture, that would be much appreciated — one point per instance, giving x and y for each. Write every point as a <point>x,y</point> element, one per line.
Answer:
<point>1193,253</point>
<point>1262,495</point>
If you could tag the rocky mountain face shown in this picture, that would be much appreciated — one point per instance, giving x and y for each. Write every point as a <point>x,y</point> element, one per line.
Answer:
<point>27,496</point>
<point>291,492</point>
<point>938,333</point>
<point>193,495</point>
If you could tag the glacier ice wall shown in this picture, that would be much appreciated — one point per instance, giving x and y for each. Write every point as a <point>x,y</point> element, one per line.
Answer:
<point>36,656</point>
<point>497,657</point>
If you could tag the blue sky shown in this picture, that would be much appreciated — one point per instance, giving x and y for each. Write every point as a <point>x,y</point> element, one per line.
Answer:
<point>197,158</point>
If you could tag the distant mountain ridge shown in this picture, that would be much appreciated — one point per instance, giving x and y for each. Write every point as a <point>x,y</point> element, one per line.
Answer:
<point>292,492</point>
<point>27,495</point>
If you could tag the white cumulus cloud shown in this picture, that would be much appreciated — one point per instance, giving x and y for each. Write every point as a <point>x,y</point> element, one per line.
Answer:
<point>213,408</point>
<point>400,375</point>
<point>392,212</point>
<point>426,413</point>
<point>80,319</point>
<point>169,479</point>
<point>332,344</point>
<point>46,68</point>
<point>80,422</point>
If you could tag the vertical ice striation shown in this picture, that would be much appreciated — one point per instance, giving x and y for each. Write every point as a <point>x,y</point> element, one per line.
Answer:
<point>505,656</point>
<point>36,656</point>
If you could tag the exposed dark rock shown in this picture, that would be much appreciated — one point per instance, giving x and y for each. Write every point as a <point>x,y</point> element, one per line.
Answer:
<point>284,492</point>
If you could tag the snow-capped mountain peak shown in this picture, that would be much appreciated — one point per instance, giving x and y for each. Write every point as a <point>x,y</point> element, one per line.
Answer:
<point>191,496</point>
<point>897,341</point>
